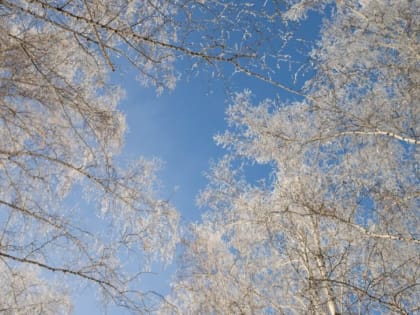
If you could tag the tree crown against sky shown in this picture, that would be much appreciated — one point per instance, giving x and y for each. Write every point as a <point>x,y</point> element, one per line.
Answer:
<point>319,239</point>
<point>336,231</point>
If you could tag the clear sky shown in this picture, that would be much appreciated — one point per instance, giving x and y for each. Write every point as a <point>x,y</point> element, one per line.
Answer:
<point>178,128</point>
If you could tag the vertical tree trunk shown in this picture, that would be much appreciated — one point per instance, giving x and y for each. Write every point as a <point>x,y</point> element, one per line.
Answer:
<point>326,288</point>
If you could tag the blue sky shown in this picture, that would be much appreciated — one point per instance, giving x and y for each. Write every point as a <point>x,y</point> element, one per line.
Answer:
<point>178,128</point>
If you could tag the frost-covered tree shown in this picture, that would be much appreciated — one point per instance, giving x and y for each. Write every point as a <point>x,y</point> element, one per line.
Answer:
<point>23,292</point>
<point>336,230</point>
<point>60,131</point>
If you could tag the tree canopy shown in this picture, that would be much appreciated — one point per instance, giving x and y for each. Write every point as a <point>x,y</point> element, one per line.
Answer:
<point>334,231</point>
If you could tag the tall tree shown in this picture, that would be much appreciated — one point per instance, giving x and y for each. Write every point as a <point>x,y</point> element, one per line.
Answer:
<point>60,131</point>
<point>337,229</point>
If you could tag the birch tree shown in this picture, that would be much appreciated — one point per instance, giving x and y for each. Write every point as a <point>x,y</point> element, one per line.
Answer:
<point>61,131</point>
<point>336,230</point>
